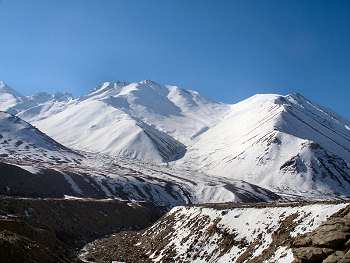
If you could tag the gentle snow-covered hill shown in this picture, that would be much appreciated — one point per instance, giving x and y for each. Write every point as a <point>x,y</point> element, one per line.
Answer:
<point>284,143</point>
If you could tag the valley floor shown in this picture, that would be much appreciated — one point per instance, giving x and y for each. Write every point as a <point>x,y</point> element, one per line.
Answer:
<point>51,229</point>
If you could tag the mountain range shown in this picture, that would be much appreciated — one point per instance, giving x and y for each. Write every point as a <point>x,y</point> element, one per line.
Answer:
<point>286,144</point>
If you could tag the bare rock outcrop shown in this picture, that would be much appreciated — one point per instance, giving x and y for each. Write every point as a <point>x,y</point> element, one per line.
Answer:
<point>329,243</point>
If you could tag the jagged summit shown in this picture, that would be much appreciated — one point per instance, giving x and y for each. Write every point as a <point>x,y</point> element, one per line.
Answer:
<point>58,96</point>
<point>40,97</point>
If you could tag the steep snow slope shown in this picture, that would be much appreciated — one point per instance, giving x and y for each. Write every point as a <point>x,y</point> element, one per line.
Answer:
<point>93,125</point>
<point>21,141</point>
<point>284,143</point>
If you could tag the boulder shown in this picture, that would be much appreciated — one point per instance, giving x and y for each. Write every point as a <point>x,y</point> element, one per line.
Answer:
<point>332,239</point>
<point>310,254</point>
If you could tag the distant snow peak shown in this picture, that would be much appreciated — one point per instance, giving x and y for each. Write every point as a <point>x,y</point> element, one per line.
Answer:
<point>120,84</point>
<point>6,89</point>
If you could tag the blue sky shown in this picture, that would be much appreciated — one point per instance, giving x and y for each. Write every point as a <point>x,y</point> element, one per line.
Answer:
<point>227,50</point>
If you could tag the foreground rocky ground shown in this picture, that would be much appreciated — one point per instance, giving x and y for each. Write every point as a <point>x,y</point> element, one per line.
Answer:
<point>168,241</point>
<point>50,230</point>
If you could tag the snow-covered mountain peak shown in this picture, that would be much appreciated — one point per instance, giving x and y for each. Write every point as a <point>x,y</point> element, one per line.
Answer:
<point>10,99</point>
<point>149,88</point>
<point>43,97</point>
<point>40,97</point>
<point>279,142</point>
<point>254,101</point>
<point>32,107</point>
<point>6,89</point>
